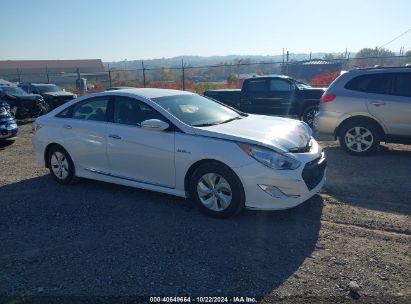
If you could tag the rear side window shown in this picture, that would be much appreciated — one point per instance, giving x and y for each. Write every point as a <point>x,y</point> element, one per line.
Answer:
<point>256,86</point>
<point>402,84</point>
<point>380,83</point>
<point>359,83</point>
<point>94,109</point>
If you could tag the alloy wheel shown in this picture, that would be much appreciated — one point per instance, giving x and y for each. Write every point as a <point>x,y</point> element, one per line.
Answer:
<point>214,192</point>
<point>359,139</point>
<point>59,165</point>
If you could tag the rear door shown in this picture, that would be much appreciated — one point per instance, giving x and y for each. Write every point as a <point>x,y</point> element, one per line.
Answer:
<point>389,100</point>
<point>254,96</point>
<point>83,129</point>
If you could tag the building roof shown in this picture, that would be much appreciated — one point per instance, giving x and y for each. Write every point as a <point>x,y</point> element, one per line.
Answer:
<point>41,64</point>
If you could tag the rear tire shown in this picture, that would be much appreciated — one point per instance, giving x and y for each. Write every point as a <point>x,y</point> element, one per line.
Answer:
<point>359,137</point>
<point>61,166</point>
<point>216,190</point>
<point>309,114</point>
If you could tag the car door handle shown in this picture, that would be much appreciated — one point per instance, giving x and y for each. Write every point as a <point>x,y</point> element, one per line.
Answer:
<point>114,136</point>
<point>67,127</point>
<point>378,103</point>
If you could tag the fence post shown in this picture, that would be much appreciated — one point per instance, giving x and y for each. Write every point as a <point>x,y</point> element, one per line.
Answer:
<point>78,72</point>
<point>19,74</point>
<point>182,67</point>
<point>47,74</point>
<point>109,75</point>
<point>144,73</point>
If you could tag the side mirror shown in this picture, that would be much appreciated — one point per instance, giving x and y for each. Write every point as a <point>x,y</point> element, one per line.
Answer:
<point>154,125</point>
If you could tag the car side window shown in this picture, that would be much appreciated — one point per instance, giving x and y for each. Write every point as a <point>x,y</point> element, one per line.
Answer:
<point>402,84</point>
<point>256,86</point>
<point>94,109</point>
<point>33,90</point>
<point>359,83</point>
<point>130,111</point>
<point>280,85</point>
<point>381,84</point>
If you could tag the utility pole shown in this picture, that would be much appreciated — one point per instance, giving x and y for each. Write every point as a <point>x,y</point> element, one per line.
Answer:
<point>109,75</point>
<point>182,68</point>
<point>144,73</point>
<point>288,59</point>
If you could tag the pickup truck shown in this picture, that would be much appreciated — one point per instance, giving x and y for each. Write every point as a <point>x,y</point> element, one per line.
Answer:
<point>273,95</point>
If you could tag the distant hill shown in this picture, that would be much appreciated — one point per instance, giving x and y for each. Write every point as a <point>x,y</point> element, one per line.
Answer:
<point>204,61</point>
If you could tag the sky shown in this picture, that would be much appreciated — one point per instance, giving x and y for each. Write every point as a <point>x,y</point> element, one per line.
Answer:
<point>137,29</point>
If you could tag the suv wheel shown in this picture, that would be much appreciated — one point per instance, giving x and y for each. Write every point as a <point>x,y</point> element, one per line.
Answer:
<point>308,115</point>
<point>359,137</point>
<point>217,191</point>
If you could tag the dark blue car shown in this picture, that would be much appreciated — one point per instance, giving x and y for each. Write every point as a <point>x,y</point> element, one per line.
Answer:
<point>8,125</point>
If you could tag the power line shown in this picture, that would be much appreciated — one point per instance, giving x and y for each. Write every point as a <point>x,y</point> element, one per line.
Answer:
<point>399,36</point>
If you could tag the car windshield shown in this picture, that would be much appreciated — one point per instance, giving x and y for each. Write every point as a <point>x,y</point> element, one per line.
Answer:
<point>48,88</point>
<point>302,85</point>
<point>16,91</point>
<point>196,110</point>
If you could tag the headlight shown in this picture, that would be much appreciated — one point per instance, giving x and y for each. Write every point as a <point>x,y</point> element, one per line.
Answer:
<point>270,158</point>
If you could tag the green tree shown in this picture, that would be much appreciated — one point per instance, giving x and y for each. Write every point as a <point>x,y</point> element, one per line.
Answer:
<point>408,53</point>
<point>377,52</point>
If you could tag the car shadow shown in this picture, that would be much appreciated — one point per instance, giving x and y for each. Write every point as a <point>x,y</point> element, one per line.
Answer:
<point>95,238</point>
<point>379,182</point>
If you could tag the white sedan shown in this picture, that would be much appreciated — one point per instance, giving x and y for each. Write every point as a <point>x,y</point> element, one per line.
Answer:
<point>182,144</point>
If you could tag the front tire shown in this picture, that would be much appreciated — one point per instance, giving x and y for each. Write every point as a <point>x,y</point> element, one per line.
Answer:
<point>216,190</point>
<point>61,165</point>
<point>359,137</point>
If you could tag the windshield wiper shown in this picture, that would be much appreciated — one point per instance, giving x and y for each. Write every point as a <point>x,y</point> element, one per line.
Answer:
<point>231,119</point>
<point>206,124</point>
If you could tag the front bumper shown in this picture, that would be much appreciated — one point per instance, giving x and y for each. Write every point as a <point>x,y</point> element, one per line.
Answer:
<point>297,185</point>
<point>7,134</point>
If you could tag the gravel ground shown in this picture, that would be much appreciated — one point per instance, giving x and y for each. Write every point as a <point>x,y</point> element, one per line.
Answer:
<point>98,239</point>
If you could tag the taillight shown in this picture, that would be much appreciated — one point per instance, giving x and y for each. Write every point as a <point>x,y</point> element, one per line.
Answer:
<point>328,97</point>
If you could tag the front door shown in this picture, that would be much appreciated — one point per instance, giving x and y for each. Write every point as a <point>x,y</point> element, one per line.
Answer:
<point>137,154</point>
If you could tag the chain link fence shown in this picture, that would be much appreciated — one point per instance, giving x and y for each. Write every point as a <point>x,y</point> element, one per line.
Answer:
<point>317,72</point>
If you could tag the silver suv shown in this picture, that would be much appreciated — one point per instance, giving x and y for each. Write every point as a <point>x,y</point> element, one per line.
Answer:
<point>365,106</point>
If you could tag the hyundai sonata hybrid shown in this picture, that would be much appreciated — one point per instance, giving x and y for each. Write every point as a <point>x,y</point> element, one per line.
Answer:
<point>182,144</point>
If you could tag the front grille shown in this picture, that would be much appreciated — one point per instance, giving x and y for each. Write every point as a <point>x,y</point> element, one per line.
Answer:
<point>313,172</point>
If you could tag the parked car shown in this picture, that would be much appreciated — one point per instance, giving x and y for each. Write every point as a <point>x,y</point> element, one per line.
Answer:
<point>182,144</point>
<point>366,106</point>
<point>273,95</point>
<point>22,105</point>
<point>119,88</point>
<point>8,126</point>
<point>52,94</point>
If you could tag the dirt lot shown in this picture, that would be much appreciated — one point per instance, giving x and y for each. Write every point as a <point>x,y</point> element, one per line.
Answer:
<point>97,239</point>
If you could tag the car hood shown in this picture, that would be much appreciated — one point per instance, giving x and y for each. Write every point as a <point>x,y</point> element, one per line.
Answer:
<point>283,134</point>
<point>57,94</point>
<point>26,97</point>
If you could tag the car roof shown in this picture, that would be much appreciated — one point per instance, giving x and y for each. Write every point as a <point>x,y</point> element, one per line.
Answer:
<point>381,69</point>
<point>150,92</point>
